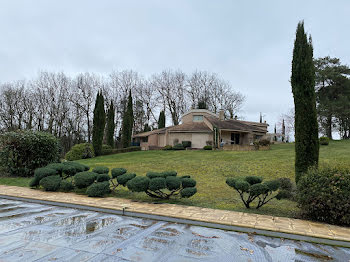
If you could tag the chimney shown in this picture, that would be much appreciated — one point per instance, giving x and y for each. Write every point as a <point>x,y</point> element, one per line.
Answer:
<point>221,114</point>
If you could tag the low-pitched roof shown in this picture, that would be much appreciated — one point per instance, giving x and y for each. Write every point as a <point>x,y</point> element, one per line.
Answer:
<point>190,127</point>
<point>156,131</point>
<point>235,125</point>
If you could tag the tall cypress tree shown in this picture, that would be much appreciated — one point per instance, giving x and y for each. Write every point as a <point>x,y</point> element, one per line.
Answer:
<point>128,123</point>
<point>161,119</point>
<point>303,87</point>
<point>110,125</point>
<point>99,122</point>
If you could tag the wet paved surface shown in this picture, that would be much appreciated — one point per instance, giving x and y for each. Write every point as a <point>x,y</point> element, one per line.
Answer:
<point>33,232</point>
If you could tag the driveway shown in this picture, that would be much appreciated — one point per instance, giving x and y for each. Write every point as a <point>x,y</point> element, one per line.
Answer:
<point>33,232</point>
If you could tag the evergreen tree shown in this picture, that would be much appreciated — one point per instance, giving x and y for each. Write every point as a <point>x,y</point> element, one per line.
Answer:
<point>202,104</point>
<point>303,87</point>
<point>147,128</point>
<point>110,125</point>
<point>99,122</point>
<point>161,120</point>
<point>128,123</point>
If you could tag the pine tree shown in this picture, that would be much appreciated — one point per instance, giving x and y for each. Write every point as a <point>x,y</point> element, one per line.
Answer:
<point>110,125</point>
<point>128,123</point>
<point>161,120</point>
<point>303,87</point>
<point>99,122</point>
<point>147,128</point>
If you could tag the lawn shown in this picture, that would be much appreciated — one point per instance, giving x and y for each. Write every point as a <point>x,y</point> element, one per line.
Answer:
<point>211,168</point>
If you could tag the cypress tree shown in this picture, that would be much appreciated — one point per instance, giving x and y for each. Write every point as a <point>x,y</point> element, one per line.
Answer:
<point>110,125</point>
<point>161,120</point>
<point>128,123</point>
<point>303,87</point>
<point>99,122</point>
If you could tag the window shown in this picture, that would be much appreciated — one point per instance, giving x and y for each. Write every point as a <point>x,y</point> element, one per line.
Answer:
<point>145,139</point>
<point>197,118</point>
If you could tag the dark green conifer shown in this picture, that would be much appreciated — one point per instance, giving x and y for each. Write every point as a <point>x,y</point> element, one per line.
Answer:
<point>99,122</point>
<point>110,125</point>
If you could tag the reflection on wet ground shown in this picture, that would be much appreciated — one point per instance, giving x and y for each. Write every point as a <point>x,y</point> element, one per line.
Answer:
<point>33,232</point>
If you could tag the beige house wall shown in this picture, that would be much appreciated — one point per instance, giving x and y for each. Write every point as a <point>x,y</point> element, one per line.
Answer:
<point>198,140</point>
<point>161,140</point>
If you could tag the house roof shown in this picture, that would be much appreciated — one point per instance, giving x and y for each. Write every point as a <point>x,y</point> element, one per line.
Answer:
<point>156,131</point>
<point>190,127</point>
<point>236,125</point>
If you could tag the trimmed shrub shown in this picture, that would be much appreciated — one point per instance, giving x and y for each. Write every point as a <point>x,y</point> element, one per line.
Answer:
<point>157,183</point>
<point>168,147</point>
<point>188,192</point>
<point>138,184</point>
<point>264,142</point>
<point>324,195</point>
<point>102,177</point>
<point>186,144</point>
<point>163,185</point>
<point>56,166</point>
<point>39,174</point>
<point>324,141</point>
<point>208,148</point>
<point>169,173</point>
<point>178,147</point>
<point>123,179</point>
<point>80,151</point>
<point>188,182</point>
<point>84,179</point>
<point>118,172</point>
<point>51,183</point>
<point>253,187</point>
<point>106,149</point>
<point>173,183</point>
<point>24,151</point>
<point>66,186</point>
<point>151,174</point>
<point>72,168</point>
<point>101,170</point>
<point>99,189</point>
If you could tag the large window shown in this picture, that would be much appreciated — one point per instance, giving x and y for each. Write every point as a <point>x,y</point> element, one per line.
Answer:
<point>197,118</point>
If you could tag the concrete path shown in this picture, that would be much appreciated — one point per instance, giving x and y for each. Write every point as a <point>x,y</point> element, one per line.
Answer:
<point>36,232</point>
<point>262,224</point>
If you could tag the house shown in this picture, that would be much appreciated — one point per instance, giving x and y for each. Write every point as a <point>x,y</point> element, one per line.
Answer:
<point>202,128</point>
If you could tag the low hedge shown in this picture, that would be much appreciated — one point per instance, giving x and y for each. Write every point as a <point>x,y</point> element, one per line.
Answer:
<point>324,141</point>
<point>178,147</point>
<point>121,150</point>
<point>324,195</point>
<point>51,183</point>
<point>99,189</point>
<point>84,179</point>
<point>208,148</point>
<point>118,172</point>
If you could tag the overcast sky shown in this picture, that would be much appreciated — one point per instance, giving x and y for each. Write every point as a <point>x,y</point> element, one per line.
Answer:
<point>249,43</point>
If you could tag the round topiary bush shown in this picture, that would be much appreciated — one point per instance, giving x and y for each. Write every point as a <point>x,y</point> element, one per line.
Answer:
<point>80,151</point>
<point>84,179</point>
<point>66,186</point>
<point>56,166</point>
<point>118,172</point>
<point>51,183</point>
<point>99,189</point>
<point>188,192</point>
<point>169,173</point>
<point>102,177</point>
<point>157,183</point>
<point>152,174</point>
<point>324,195</point>
<point>39,174</point>
<point>173,183</point>
<point>101,170</point>
<point>71,168</point>
<point>188,182</point>
<point>178,147</point>
<point>24,151</point>
<point>168,147</point>
<point>123,179</point>
<point>138,184</point>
